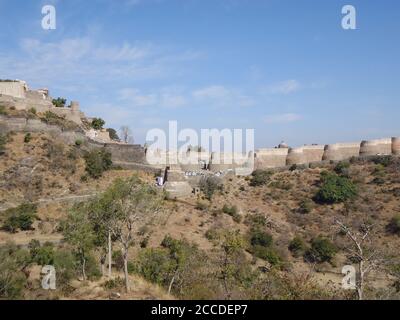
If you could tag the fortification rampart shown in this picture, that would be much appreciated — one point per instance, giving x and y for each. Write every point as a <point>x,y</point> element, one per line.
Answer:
<point>121,153</point>
<point>271,158</point>
<point>222,161</point>
<point>13,88</point>
<point>396,146</point>
<point>275,158</point>
<point>341,151</point>
<point>374,147</point>
<point>17,94</point>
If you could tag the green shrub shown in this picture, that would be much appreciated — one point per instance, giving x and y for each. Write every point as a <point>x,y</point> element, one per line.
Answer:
<point>268,254</point>
<point>97,161</point>
<point>233,212</point>
<point>3,111</point>
<point>118,259</point>
<point>261,246</point>
<point>3,142</point>
<point>342,168</point>
<point>113,134</point>
<point>98,123</point>
<point>209,185</point>
<point>59,102</point>
<point>114,283</point>
<point>28,138</point>
<point>65,265</point>
<point>379,170</point>
<point>212,234</point>
<point>260,238</point>
<point>91,267</point>
<point>78,142</point>
<point>41,255</point>
<point>32,110</point>
<point>260,178</point>
<point>383,160</point>
<point>297,247</point>
<point>335,189</point>
<point>12,279</point>
<point>154,265</point>
<point>394,225</point>
<point>322,250</point>
<point>21,217</point>
<point>306,206</point>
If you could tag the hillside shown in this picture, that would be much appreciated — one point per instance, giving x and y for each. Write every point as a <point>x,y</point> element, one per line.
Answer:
<point>277,215</point>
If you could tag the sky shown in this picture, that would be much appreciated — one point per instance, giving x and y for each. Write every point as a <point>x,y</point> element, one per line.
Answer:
<point>285,68</point>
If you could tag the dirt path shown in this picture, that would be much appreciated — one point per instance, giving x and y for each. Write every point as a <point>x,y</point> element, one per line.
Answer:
<point>23,239</point>
<point>53,200</point>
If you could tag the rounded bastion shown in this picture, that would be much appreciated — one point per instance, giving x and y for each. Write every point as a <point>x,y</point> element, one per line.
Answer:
<point>296,156</point>
<point>396,145</point>
<point>376,147</point>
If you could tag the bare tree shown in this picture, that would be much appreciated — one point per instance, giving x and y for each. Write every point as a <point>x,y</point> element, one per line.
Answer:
<point>138,203</point>
<point>367,257</point>
<point>126,135</point>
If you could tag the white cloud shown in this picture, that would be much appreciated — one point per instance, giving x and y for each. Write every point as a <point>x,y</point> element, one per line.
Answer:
<point>126,52</point>
<point>136,98</point>
<point>176,97</point>
<point>282,118</point>
<point>79,61</point>
<point>164,97</point>
<point>212,92</point>
<point>285,87</point>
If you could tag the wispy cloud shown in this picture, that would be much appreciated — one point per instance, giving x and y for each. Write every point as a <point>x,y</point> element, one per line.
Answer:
<point>75,61</point>
<point>282,118</point>
<point>167,97</point>
<point>175,97</point>
<point>284,87</point>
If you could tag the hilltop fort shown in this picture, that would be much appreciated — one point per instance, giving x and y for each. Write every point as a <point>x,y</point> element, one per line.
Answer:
<point>179,179</point>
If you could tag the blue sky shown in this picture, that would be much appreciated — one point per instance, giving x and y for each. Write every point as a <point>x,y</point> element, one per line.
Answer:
<point>283,67</point>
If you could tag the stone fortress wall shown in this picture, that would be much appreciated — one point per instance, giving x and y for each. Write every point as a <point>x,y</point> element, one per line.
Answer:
<point>125,155</point>
<point>278,157</point>
<point>281,157</point>
<point>16,94</point>
<point>13,88</point>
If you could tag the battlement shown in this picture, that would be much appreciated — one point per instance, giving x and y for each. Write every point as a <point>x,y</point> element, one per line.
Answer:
<point>16,94</point>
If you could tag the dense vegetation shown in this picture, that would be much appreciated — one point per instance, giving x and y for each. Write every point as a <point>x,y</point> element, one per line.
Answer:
<point>97,161</point>
<point>98,123</point>
<point>59,102</point>
<point>19,218</point>
<point>335,189</point>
